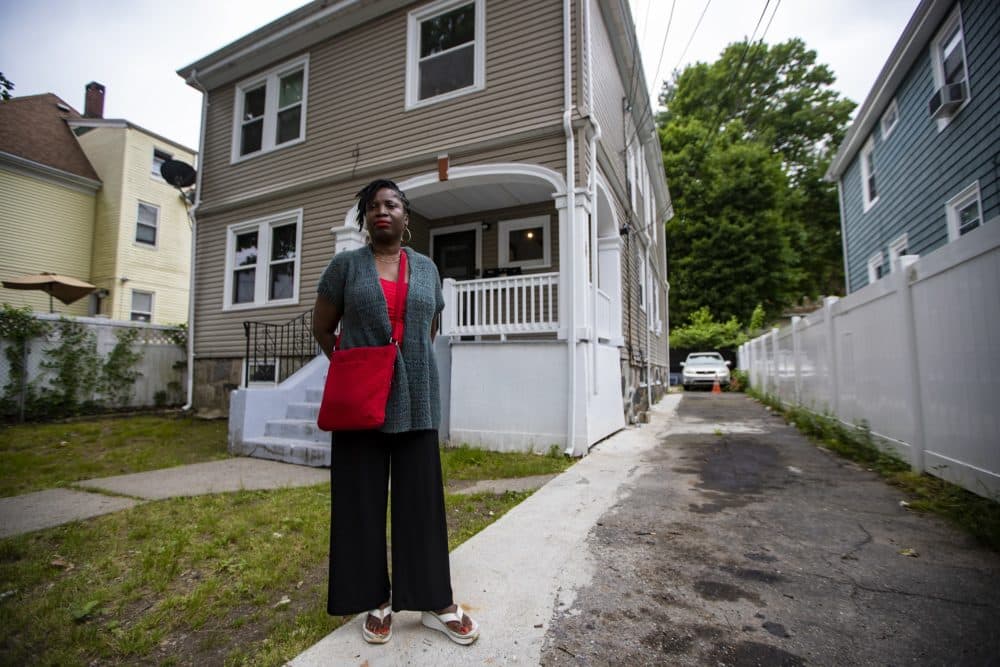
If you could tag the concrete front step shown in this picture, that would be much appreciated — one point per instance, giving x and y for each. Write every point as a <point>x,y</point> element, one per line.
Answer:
<point>314,395</point>
<point>303,411</point>
<point>299,452</point>
<point>297,429</point>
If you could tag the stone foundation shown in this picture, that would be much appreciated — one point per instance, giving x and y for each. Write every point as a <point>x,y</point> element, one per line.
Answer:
<point>636,404</point>
<point>214,380</point>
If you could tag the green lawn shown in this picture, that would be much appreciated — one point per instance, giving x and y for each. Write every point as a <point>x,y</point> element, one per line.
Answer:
<point>43,456</point>
<point>226,579</point>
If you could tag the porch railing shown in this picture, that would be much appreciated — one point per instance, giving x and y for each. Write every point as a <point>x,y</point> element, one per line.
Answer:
<point>275,351</point>
<point>504,305</point>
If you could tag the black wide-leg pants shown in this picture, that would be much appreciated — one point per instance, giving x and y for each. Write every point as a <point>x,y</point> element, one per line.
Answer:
<point>361,464</point>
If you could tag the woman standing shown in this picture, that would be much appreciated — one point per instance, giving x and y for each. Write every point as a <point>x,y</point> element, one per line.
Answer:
<point>355,291</point>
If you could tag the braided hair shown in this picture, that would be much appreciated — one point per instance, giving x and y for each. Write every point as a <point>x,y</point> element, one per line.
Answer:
<point>367,194</point>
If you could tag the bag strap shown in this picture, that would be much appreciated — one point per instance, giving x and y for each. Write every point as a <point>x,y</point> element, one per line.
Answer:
<point>402,287</point>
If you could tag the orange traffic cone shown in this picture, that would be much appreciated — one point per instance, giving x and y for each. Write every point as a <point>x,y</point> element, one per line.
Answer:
<point>716,389</point>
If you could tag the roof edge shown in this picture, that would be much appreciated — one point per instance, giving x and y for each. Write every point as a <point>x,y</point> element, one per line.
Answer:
<point>60,176</point>
<point>121,123</point>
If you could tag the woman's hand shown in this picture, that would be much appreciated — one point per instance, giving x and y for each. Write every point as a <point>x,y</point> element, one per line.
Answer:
<point>326,317</point>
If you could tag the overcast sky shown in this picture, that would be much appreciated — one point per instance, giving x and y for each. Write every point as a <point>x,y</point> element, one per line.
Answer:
<point>134,47</point>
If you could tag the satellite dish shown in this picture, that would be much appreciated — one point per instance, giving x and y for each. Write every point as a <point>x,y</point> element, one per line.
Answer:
<point>178,174</point>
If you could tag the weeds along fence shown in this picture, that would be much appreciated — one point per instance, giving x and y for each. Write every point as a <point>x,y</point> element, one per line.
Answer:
<point>158,372</point>
<point>914,356</point>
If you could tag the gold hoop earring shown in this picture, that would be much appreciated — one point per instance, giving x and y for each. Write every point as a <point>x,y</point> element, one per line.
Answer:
<point>407,234</point>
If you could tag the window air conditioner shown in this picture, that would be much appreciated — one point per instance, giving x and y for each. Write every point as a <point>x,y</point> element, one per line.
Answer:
<point>946,99</point>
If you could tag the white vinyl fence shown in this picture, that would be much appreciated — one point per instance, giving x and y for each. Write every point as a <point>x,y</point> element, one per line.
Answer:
<point>159,366</point>
<point>915,355</point>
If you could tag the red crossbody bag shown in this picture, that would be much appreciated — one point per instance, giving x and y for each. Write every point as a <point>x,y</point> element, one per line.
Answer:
<point>359,379</point>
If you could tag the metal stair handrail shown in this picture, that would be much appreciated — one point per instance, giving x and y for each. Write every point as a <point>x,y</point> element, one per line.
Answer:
<point>274,352</point>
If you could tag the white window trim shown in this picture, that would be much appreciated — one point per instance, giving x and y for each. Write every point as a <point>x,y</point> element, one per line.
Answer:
<point>869,149</point>
<point>505,227</point>
<point>643,286</point>
<point>263,227</point>
<point>875,262</point>
<point>887,128</point>
<point>153,172</point>
<point>937,66</point>
<point>450,229</point>
<point>897,248</point>
<point>969,194</point>
<point>270,79</point>
<point>414,18</point>
<point>135,232</point>
<point>131,304</point>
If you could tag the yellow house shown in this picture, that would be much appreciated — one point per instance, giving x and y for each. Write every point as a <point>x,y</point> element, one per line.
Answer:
<point>142,235</point>
<point>50,196</point>
<point>118,225</point>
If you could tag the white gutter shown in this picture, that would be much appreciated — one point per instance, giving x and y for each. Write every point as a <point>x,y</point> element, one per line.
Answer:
<point>649,312</point>
<point>595,136</point>
<point>192,81</point>
<point>570,269</point>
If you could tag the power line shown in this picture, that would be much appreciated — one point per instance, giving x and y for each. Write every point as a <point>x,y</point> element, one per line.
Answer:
<point>663,46</point>
<point>693,33</point>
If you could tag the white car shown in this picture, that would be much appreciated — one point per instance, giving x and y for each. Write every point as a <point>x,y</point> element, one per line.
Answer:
<point>704,369</point>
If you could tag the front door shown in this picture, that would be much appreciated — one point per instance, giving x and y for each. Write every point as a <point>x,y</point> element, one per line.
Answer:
<point>455,254</point>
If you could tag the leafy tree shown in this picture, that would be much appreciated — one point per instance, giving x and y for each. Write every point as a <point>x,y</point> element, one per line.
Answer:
<point>702,332</point>
<point>6,85</point>
<point>729,248</point>
<point>728,127</point>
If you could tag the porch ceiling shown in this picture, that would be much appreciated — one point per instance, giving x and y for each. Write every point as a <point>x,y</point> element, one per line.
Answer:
<point>448,199</point>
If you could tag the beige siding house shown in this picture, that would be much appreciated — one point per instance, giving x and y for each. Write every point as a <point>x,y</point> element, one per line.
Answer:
<point>522,134</point>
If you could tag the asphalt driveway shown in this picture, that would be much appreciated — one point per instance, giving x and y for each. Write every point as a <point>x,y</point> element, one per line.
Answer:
<point>742,543</point>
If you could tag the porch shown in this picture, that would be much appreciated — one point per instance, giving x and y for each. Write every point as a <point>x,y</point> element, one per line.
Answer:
<point>527,350</point>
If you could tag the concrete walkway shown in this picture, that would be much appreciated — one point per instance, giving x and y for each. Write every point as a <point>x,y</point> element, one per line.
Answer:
<point>513,574</point>
<point>54,507</point>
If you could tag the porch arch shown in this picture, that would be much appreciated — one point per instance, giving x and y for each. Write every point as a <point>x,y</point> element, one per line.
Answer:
<point>609,259</point>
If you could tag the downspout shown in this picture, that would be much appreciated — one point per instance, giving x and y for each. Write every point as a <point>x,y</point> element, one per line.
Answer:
<point>192,214</point>
<point>649,310</point>
<point>595,136</point>
<point>570,269</point>
<point>843,234</point>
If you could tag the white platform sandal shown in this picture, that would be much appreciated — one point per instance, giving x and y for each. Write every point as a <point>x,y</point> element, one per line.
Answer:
<point>380,615</point>
<point>440,623</point>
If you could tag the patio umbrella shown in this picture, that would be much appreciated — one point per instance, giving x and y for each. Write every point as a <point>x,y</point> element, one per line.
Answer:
<point>64,288</point>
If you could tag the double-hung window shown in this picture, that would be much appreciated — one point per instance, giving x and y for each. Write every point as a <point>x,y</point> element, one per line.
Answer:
<point>446,51</point>
<point>889,119</point>
<point>868,181</point>
<point>964,212</point>
<point>270,110</point>
<point>147,224</point>
<point>875,267</point>
<point>262,262</point>
<point>159,157</point>
<point>142,306</point>
<point>949,63</point>
<point>897,248</point>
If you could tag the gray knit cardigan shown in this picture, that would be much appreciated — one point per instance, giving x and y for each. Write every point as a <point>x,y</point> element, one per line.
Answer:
<point>351,283</point>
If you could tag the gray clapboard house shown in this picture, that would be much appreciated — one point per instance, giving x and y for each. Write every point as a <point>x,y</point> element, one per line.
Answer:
<point>523,136</point>
<point>920,165</point>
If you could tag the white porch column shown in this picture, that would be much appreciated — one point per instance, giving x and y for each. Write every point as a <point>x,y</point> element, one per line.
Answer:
<point>347,237</point>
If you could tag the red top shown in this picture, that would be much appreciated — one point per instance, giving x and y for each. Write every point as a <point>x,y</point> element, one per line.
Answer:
<point>389,289</point>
